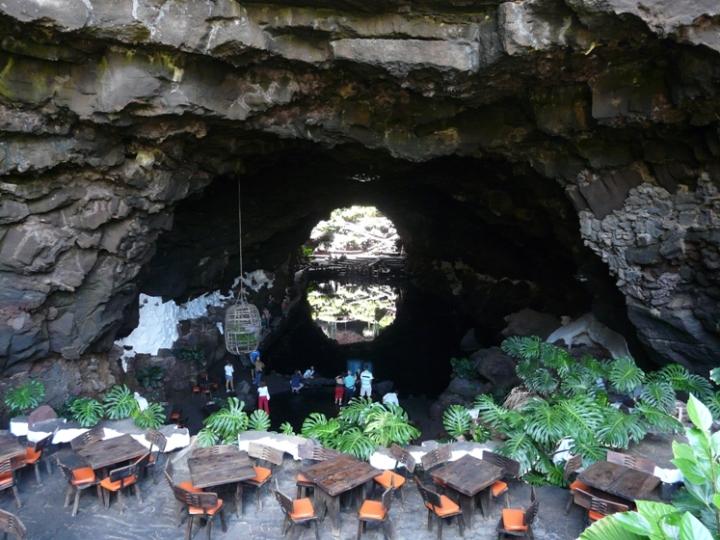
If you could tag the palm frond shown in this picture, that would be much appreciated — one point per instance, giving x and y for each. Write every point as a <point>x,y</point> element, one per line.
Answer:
<point>556,358</point>
<point>713,403</point>
<point>287,429</point>
<point>676,375</point>
<point>206,437</point>
<point>356,410</point>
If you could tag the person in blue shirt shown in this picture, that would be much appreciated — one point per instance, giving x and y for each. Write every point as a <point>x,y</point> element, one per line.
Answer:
<point>349,381</point>
<point>296,382</point>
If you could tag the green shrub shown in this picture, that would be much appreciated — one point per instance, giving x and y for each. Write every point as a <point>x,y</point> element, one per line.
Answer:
<point>120,403</point>
<point>287,429</point>
<point>86,411</point>
<point>25,397</point>
<point>259,420</point>
<point>151,377</point>
<point>463,368</point>
<point>151,418</point>
<point>225,424</point>
<point>457,421</point>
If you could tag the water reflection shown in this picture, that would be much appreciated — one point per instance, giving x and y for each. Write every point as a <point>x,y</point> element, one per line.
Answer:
<point>352,312</point>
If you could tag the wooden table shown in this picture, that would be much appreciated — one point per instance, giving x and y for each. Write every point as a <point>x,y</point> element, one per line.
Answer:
<point>469,476</point>
<point>618,480</point>
<point>220,469</point>
<point>10,447</point>
<point>335,477</point>
<point>108,452</point>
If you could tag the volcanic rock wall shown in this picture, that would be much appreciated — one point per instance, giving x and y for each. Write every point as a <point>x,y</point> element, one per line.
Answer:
<point>112,111</point>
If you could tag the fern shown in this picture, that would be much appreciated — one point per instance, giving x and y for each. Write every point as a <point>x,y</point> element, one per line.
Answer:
<point>624,375</point>
<point>676,375</point>
<point>579,380</point>
<point>698,386</point>
<point>556,358</point>
<point>457,421</point>
<point>259,420</point>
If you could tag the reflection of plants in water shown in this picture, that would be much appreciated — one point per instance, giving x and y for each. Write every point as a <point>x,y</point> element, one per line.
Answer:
<point>335,302</point>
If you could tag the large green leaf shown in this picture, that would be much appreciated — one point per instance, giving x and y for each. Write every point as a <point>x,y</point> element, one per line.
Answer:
<point>457,421</point>
<point>120,403</point>
<point>692,529</point>
<point>619,429</point>
<point>608,528</point>
<point>659,394</point>
<point>624,375</point>
<point>699,414</point>
<point>354,441</point>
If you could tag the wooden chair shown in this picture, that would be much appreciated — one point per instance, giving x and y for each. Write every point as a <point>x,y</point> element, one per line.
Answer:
<point>200,505</point>
<point>572,465</point>
<point>266,458</point>
<point>11,524</point>
<point>34,455</point>
<point>440,506</point>
<point>296,512</point>
<point>511,469</point>
<point>156,456</point>
<point>96,434</point>
<point>403,456</point>
<point>7,480</point>
<point>599,508</point>
<point>516,522</point>
<point>436,457</point>
<point>376,512</point>
<point>79,479</point>
<point>632,462</point>
<point>120,478</point>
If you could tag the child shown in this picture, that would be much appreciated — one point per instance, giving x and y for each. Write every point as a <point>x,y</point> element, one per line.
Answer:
<point>339,390</point>
<point>263,397</point>
<point>229,372</point>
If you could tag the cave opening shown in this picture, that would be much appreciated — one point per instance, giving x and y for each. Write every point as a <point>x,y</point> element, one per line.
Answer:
<point>480,239</point>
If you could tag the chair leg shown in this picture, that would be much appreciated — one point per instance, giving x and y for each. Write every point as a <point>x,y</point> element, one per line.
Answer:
<point>569,504</point>
<point>222,520</point>
<point>360,528</point>
<point>17,497</point>
<point>121,500</point>
<point>429,520</point>
<point>136,488</point>
<point>440,528</point>
<point>37,473</point>
<point>188,529</point>
<point>208,526</point>
<point>68,494</point>
<point>461,524</point>
<point>77,503</point>
<point>317,529</point>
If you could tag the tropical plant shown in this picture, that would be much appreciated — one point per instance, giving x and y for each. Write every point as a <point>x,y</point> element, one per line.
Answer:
<point>152,417</point>
<point>356,442</point>
<point>388,424</point>
<point>119,403</point>
<point>457,421</point>
<point>196,356</point>
<point>695,514</point>
<point>25,396</point>
<point>225,424</point>
<point>287,429</point>
<point>259,420</point>
<point>317,426</point>
<point>86,411</point>
<point>463,368</point>
<point>151,377</point>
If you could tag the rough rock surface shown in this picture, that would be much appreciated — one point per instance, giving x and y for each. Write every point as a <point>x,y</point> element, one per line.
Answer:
<point>114,111</point>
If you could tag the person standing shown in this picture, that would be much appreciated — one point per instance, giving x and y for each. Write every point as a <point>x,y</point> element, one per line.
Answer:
<point>339,390</point>
<point>349,382</point>
<point>263,397</point>
<point>366,378</point>
<point>229,377</point>
<point>259,367</point>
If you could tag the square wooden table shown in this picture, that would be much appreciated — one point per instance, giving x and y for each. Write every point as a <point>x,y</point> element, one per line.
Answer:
<point>109,452</point>
<point>10,447</point>
<point>219,469</point>
<point>469,476</point>
<point>624,482</point>
<point>335,477</point>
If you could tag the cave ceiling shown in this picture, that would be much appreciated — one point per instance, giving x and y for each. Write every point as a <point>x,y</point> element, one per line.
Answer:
<point>601,114</point>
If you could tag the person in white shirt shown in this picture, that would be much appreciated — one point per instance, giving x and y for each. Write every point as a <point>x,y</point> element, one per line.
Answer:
<point>390,398</point>
<point>309,373</point>
<point>229,373</point>
<point>366,378</point>
<point>263,397</point>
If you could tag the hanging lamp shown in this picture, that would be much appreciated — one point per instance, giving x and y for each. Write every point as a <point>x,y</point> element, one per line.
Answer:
<point>242,320</point>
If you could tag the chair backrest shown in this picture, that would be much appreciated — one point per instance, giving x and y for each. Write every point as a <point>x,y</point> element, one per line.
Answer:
<point>404,457</point>
<point>632,462</point>
<point>531,512</point>
<point>169,472</point>
<point>157,441</point>
<point>307,450</point>
<point>265,453</point>
<point>96,434</point>
<point>436,457</point>
<point>387,498</point>
<point>5,468</point>
<point>123,474</point>
<point>606,507</point>
<point>286,504</point>
<point>572,465</point>
<point>42,444</point>
<point>582,498</point>
<point>11,524</point>
<point>509,466</point>
<point>428,495</point>
<point>204,500</point>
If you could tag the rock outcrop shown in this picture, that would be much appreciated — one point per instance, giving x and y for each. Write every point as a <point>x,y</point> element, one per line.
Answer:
<point>113,111</point>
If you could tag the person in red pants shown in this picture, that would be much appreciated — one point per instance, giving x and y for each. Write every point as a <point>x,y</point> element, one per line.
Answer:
<point>339,390</point>
<point>263,397</point>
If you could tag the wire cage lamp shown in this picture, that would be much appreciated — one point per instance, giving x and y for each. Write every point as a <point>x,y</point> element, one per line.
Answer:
<point>242,320</point>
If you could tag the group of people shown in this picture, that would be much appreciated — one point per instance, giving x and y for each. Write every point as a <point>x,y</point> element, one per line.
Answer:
<point>347,385</point>
<point>297,379</point>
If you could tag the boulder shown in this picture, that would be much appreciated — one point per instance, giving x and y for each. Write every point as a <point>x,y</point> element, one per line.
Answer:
<point>495,366</point>
<point>528,322</point>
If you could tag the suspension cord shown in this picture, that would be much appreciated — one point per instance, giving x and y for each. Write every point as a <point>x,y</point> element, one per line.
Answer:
<point>242,292</point>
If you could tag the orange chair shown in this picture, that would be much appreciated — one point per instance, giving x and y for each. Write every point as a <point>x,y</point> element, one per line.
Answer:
<point>156,455</point>
<point>516,522</point>
<point>266,458</point>
<point>599,508</point>
<point>297,512</point>
<point>119,479</point>
<point>79,479</point>
<point>376,512</point>
<point>200,505</point>
<point>392,480</point>
<point>304,485</point>
<point>572,465</point>
<point>7,480</point>
<point>440,506</point>
<point>34,454</point>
